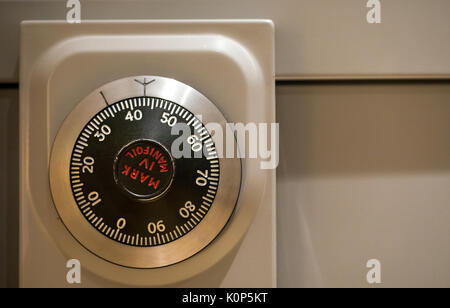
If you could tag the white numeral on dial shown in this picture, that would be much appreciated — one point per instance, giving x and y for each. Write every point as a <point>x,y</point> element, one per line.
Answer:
<point>195,144</point>
<point>167,118</point>
<point>156,227</point>
<point>135,115</point>
<point>94,198</point>
<point>105,130</point>
<point>202,180</point>
<point>88,164</point>
<point>188,208</point>
<point>121,223</point>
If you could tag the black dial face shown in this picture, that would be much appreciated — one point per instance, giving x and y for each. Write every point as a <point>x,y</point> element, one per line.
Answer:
<point>130,185</point>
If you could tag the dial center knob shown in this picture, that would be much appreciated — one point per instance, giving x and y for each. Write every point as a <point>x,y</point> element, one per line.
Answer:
<point>144,170</point>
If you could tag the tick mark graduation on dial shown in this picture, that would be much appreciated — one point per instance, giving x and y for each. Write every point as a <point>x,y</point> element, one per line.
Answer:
<point>186,205</point>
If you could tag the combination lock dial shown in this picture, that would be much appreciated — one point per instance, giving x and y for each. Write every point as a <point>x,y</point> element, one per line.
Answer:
<point>135,173</point>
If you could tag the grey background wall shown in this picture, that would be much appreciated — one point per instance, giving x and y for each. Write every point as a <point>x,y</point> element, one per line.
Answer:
<point>364,173</point>
<point>9,195</point>
<point>314,38</point>
<point>365,165</point>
